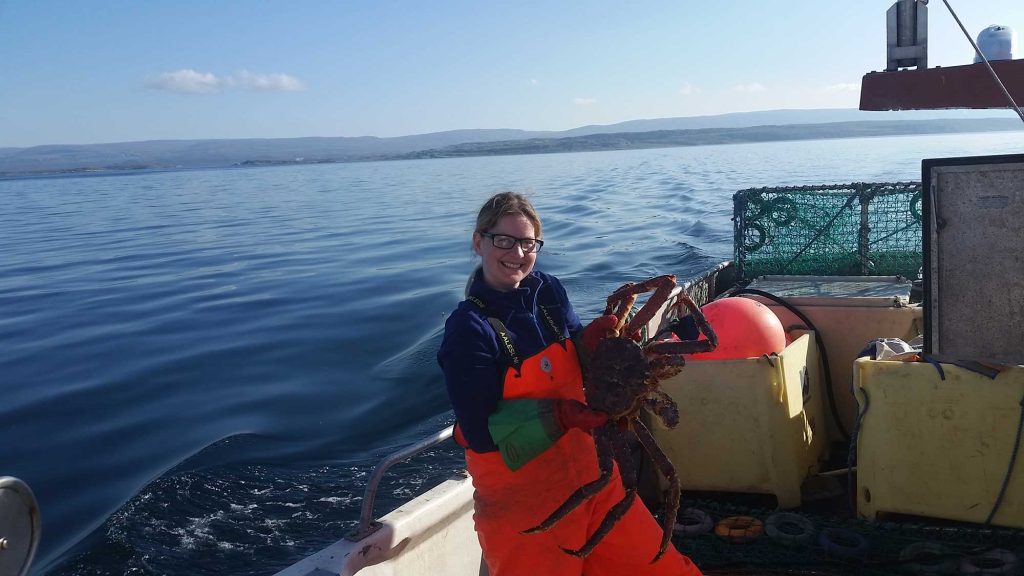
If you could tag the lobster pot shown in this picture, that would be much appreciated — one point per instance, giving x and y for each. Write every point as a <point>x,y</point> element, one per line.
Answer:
<point>750,425</point>
<point>939,445</point>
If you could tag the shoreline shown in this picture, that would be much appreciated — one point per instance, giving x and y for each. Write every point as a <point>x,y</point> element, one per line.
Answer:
<point>601,142</point>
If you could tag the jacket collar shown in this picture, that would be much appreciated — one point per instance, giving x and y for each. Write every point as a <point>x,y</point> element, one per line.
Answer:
<point>523,297</point>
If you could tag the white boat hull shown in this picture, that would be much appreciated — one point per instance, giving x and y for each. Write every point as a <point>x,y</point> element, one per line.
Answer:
<point>432,534</point>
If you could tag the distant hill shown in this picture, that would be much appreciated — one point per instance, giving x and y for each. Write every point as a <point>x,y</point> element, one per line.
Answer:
<point>782,117</point>
<point>689,131</point>
<point>166,154</point>
<point>710,136</point>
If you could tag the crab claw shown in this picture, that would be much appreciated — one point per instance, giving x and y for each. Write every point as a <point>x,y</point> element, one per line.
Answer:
<point>599,329</point>
<point>623,299</point>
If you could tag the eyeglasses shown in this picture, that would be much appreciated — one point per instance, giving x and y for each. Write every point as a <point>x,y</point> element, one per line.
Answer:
<point>506,242</point>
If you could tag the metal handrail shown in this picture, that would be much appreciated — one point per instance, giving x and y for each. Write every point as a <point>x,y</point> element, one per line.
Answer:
<point>367,525</point>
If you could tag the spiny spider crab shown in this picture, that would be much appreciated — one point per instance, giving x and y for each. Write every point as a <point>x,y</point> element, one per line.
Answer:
<point>622,377</point>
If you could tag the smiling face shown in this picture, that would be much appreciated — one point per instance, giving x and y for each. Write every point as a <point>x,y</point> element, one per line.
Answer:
<point>505,269</point>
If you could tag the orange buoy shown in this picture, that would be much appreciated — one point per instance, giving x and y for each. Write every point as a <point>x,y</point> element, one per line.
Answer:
<point>739,528</point>
<point>745,328</point>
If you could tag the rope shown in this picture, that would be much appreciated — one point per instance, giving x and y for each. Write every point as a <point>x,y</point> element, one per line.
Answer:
<point>821,351</point>
<point>851,457</point>
<point>1009,471</point>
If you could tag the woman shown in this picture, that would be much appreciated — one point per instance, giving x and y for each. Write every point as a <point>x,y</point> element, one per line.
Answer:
<point>513,377</point>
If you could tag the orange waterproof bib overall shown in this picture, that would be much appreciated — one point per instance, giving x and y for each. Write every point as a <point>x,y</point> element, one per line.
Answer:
<point>507,502</point>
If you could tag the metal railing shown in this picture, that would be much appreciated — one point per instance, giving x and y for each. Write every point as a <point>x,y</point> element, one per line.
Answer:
<point>367,525</point>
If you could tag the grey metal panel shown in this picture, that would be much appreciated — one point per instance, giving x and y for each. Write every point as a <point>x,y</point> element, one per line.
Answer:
<point>974,257</point>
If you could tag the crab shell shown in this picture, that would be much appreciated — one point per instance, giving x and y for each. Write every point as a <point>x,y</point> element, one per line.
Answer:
<point>617,378</point>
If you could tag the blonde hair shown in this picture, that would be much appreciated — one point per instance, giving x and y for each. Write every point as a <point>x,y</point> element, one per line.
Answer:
<point>506,203</point>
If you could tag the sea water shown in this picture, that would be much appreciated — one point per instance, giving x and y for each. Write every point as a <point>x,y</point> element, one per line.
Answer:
<point>200,368</point>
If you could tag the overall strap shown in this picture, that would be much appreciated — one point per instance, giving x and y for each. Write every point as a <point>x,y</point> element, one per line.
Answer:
<point>502,332</point>
<point>557,332</point>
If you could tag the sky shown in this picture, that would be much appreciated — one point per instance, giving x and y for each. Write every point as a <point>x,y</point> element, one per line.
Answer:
<point>79,72</point>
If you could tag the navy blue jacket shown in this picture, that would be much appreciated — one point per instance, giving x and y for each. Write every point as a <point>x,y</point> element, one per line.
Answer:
<point>474,363</point>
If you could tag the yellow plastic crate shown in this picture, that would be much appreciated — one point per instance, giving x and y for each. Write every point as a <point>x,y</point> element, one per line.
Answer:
<point>752,425</point>
<point>938,448</point>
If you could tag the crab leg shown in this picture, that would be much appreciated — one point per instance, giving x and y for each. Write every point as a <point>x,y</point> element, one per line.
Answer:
<point>662,366</point>
<point>620,312</point>
<point>667,470</point>
<point>670,347</point>
<point>614,514</point>
<point>583,493</point>
<point>662,406</point>
<point>684,301</point>
<point>662,286</point>
<point>617,446</point>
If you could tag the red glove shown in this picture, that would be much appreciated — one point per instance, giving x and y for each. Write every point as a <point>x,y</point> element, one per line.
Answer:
<point>576,414</point>
<point>598,330</point>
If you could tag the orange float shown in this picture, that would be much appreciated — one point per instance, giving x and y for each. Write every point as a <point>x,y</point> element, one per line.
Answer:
<point>745,328</point>
<point>739,528</point>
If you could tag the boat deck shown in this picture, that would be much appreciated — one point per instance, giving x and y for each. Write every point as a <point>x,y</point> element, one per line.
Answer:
<point>842,544</point>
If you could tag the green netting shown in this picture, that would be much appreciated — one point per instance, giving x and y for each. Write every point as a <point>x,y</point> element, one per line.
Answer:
<point>851,547</point>
<point>860,229</point>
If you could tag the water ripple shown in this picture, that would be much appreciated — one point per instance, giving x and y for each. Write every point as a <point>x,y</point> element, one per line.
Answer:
<point>202,366</point>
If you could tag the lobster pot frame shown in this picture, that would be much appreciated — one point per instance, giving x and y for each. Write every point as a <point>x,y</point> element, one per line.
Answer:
<point>860,229</point>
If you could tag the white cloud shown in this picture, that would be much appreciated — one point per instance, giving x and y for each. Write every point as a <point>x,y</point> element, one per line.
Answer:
<point>191,82</point>
<point>266,82</point>
<point>585,101</point>
<point>534,81</point>
<point>185,81</point>
<point>752,87</point>
<point>843,87</point>
<point>688,90</point>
